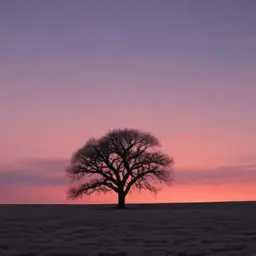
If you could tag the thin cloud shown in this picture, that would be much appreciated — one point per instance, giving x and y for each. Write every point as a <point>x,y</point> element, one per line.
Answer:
<point>220,175</point>
<point>43,166</point>
<point>52,172</point>
<point>35,172</point>
<point>21,178</point>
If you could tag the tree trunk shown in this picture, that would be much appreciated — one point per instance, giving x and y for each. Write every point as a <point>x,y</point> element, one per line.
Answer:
<point>121,200</point>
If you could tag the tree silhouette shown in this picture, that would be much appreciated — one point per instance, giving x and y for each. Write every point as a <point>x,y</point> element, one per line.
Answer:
<point>120,161</point>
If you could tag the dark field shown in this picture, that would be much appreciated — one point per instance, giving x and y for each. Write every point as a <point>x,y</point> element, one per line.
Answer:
<point>162,229</point>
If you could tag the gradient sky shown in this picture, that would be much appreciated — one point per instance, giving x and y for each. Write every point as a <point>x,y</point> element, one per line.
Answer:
<point>183,70</point>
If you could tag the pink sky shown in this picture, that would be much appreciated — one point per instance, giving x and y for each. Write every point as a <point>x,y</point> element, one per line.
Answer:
<point>185,72</point>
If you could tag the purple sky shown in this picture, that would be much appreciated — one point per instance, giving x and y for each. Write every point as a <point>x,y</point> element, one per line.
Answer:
<point>183,70</point>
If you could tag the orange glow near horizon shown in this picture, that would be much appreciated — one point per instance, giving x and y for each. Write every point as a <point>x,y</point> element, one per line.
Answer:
<point>176,194</point>
<point>197,155</point>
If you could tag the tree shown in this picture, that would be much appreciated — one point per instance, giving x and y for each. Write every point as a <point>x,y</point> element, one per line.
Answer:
<point>121,161</point>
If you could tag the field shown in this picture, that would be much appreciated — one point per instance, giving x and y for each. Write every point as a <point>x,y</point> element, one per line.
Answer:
<point>161,229</point>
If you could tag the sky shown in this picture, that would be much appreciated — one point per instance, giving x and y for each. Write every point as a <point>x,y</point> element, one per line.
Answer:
<point>182,70</point>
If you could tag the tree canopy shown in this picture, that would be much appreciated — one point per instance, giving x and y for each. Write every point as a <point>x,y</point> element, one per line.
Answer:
<point>121,161</point>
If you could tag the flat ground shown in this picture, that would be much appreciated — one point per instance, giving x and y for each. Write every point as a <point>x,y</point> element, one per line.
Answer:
<point>164,229</point>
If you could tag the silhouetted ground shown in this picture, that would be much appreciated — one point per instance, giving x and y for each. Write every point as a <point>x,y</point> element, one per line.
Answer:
<point>163,229</point>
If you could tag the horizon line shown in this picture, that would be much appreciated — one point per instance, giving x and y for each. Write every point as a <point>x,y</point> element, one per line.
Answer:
<point>113,204</point>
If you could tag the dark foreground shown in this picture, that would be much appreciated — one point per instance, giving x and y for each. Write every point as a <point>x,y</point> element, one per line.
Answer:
<point>168,229</point>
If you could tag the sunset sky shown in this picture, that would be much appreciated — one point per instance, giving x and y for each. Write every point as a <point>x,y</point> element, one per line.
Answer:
<point>183,70</point>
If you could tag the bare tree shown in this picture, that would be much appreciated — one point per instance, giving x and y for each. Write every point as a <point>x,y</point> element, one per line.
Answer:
<point>120,161</point>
